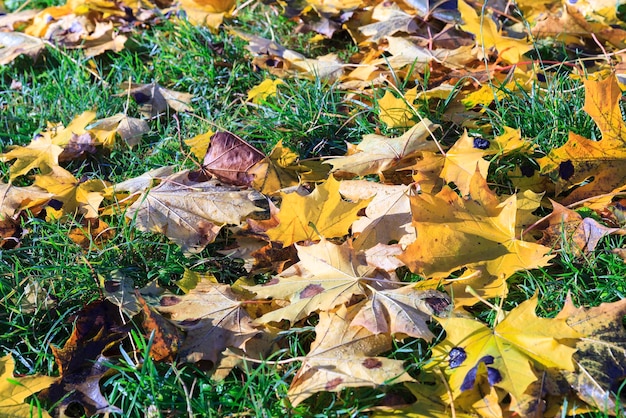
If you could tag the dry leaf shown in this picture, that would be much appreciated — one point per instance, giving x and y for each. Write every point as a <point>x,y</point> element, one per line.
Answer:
<point>229,158</point>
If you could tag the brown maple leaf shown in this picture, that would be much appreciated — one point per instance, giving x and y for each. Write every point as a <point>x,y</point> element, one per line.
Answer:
<point>229,158</point>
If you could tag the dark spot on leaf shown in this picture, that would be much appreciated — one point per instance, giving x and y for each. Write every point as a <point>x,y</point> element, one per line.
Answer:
<point>438,305</point>
<point>55,204</point>
<point>493,376</point>
<point>470,379</point>
<point>140,97</point>
<point>457,357</point>
<point>481,143</point>
<point>566,170</point>
<point>527,170</point>
<point>372,363</point>
<point>486,359</point>
<point>169,300</point>
<point>311,290</point>
<point>332,384</point>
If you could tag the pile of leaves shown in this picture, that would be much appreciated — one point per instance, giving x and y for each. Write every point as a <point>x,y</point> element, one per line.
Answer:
<point>336,237</point>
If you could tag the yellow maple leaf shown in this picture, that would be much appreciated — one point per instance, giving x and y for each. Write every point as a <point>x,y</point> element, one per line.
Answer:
<point>602,164</point>
<point>207,12</point>
<point>199,144</point>
<point>276,171</point>
<point>488,36</point>
<point>323,212</point>
<point>462,161</point>
<point>453,232</point>
<point>41,153</point>
<point>14,390</point>
<point>75,195</point>
<point>397,112</point>
<point>267,88</point>
<point>61,136</point>
<point>510,352</point>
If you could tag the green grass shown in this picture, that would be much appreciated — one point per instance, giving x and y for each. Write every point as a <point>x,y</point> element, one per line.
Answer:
<point>309,116</point>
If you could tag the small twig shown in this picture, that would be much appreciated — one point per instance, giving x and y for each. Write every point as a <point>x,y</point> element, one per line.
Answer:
<point>445,383</point>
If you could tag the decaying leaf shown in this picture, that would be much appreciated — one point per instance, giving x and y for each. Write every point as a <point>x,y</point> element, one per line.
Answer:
<point>191,213</point>
<point>14,199</point>
<point>82,360</point>
<point>344,356</point>
<point>600,353</point>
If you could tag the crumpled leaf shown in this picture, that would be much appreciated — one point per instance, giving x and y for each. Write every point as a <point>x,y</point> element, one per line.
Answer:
<point>191,213</point>
<point>82,359</point>
<point>600,354</point>
<point>327,275</point>
<point>229,158</point>
<point>344,356</point>
<point>14,391</point>
<point>512,351</point>
<point>323,213</point>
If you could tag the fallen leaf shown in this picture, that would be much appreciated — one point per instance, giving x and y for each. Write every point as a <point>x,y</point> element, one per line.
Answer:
<point>463,160</point>
<point>344,356</point>
<point>190,213</point>
<point>129,129</point>
<point>402,311</point>
<point>453,233</point>
<point>600,354</point>
<point>229,158</point>
<point>154,99</point>
<point>40,154</point>
<point>488,36</point>
<point>321,214</point>
<point>327,275</point>
<point>214,318</point>
<point>14,199</point>
<point>397,112</point>
<point>82,360</point>
<point>77,196</point>
<point>14,44</point>
<point>207,12</point>
<point>596,167</point>
<point>14,391</point>
<point>279,170</point>
<point>267,88</point>
<point>376,154</point>
<point>199,144</point>
<point>92,234</point>
<point>513,351</point>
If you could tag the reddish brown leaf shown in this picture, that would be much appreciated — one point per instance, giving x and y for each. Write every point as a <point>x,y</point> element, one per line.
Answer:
<point>229,158</point>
